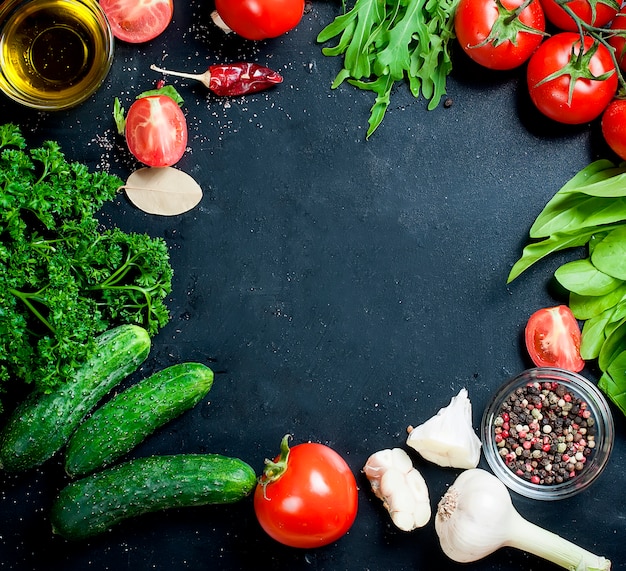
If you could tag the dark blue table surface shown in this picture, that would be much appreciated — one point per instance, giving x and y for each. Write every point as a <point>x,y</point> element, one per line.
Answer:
<point>340,288</point>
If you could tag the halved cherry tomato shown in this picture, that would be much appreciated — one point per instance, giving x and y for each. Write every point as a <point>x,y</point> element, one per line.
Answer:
<point>138,21</point>
<point>604,12</point>
<point>614,127</point>
<point>307,497</point>
<point>553,339</point>
<point>156,131</point>
<point>260,19</point>
<point>571,85</point>
<point>492,35</point>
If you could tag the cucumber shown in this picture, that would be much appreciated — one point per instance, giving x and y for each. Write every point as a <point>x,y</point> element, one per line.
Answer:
<point>128,418</point>
<point>44,422</point>
<point>97,502</point>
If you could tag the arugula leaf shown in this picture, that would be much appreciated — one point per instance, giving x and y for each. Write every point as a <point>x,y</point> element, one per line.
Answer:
<point>387,41</point>
<point>63,278</point>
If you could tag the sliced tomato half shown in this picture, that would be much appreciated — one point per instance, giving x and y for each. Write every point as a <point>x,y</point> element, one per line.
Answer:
<point>553,339</point>
<point>138,21</point>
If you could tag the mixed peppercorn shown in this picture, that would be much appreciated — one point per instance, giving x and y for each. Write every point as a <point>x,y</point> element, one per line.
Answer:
<point>545,433</point>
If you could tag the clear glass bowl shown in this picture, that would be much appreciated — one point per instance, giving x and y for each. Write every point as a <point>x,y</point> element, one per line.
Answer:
<point>580,388</point>
<point>54,54</point>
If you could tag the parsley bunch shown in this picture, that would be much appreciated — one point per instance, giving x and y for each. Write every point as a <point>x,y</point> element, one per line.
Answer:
<point>63,278</point>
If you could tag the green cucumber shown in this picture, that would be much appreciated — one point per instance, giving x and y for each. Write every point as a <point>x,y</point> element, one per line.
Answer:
<point>97,502</point>
<point>128,418</point>
<point>43,423</point>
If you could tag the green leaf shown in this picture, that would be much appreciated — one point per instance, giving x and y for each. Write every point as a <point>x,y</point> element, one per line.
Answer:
<point>609,255</point>
<point>588,306</point>
<point>613,346</point>
<point>569,206</point>
<point>119,116</point>
<point>613,381</point>
<point>536,251</point>
<point>593,335</point>
<point>583,278</point>
<point>167,90</point>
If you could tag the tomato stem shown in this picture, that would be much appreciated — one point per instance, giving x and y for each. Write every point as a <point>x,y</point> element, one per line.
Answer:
<point>597,33</point>
<point>274,469</point>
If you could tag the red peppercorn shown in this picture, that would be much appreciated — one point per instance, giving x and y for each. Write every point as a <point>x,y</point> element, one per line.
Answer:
<point>535,479</point>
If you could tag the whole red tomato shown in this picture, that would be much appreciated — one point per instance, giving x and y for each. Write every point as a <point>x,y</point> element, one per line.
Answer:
<point>156,131</point>
<point>614,127</point>
<point>556,14</point>
<point>553,339</point>
<point>307,497</point>
<point>568,84</point>
<point>491,35</point>
<point>260,19</point>
<point>618,42</point>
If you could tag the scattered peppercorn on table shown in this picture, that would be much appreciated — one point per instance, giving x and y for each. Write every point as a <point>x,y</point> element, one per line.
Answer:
<point>340,289</point>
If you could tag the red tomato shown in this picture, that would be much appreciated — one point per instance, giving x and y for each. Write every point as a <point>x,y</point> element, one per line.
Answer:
<point>260,19</point>
<point>553,339</point>
<point>138,21</point>
<point>489,36</point>
<point>582,8</point>
<point>614,127</point>
<point>156,131</point>
<point>618,42</point>
<point>556,97</point>
<point>307,497</point>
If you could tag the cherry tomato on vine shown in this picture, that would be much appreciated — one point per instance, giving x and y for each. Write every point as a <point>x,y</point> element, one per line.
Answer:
<point>307,497</point>
<point>138,21</point>
<point>570,85</point>
<point>490,33</point>
<point>614,127</point>
<point>605,11</point>
<point>156,130</point>
<point>553,339</point>
<point>618,42</point>
<point>260,19</point>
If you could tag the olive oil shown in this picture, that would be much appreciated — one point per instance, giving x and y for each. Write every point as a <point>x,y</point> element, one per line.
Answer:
<point>54,53</point>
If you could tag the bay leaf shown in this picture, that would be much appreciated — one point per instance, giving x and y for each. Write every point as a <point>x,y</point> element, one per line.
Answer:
<point>163,190</point>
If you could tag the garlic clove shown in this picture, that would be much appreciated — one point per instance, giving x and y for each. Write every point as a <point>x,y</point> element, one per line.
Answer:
<point>400,486</point>
<point>448,438</point>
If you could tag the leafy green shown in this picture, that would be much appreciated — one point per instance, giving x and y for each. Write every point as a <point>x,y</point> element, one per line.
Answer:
<point>387,41</point>
<point>590,210</point>
<point>63,278</point>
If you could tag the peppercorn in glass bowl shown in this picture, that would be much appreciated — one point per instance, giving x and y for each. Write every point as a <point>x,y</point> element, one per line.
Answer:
<point>547,433</point>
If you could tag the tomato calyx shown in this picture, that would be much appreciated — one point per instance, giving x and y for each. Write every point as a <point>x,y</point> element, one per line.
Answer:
<point>274,469</point>
<point>578,67</point>
<point>507,26</point>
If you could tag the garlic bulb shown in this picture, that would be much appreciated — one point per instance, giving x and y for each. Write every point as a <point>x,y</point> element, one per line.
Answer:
<point>400,486</point>
<point>448,438</point>
<point>476,517</point>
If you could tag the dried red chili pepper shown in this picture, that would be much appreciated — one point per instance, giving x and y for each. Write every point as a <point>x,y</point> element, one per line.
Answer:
<point>232,79</point>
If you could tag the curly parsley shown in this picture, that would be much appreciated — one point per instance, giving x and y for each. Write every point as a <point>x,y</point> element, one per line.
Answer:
<point>63,278</point>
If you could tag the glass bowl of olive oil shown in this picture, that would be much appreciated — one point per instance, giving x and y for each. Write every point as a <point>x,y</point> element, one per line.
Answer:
<point>54,54</point>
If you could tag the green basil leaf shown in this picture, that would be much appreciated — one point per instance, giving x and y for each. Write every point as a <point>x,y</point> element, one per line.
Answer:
<point>583,278</point>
